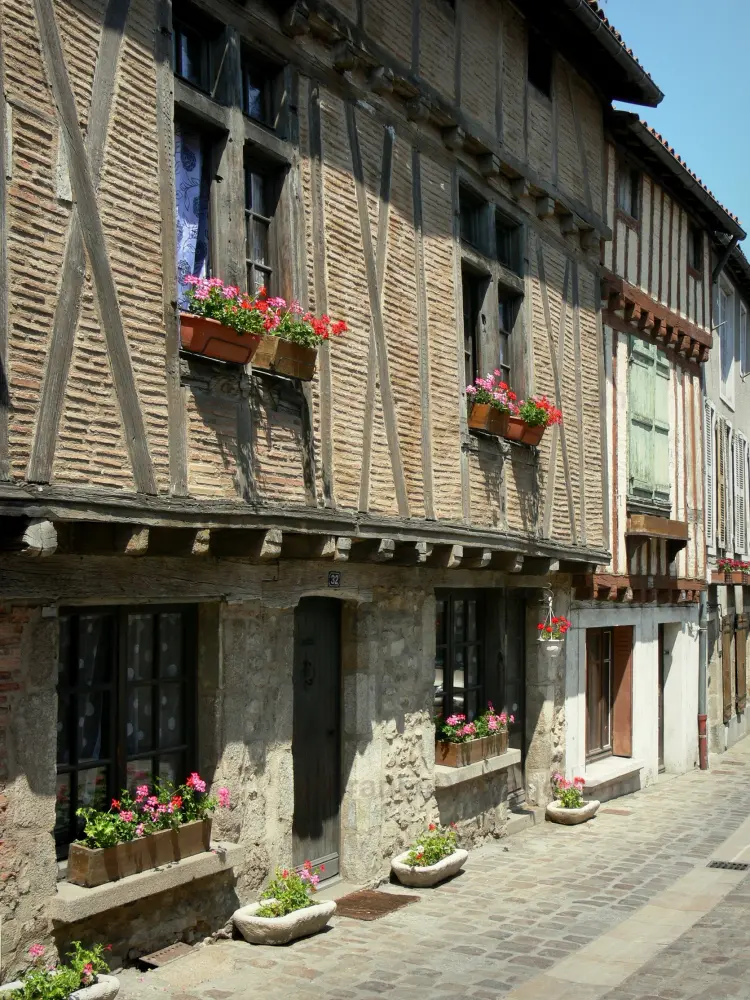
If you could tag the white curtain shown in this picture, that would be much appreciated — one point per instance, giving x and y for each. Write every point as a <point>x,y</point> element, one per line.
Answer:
<point>192,207</point>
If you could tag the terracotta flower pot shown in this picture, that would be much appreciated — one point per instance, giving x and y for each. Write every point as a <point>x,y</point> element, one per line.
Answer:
<point>515,429</point>
<point>483,417</point>
<point>282,357</point>
<point>532,435</point>
<point>214,340</point>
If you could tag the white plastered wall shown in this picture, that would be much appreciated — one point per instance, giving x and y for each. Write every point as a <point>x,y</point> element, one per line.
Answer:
<point>680,687</point>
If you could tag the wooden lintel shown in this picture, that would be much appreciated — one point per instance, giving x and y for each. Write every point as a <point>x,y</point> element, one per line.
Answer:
<point>453,137</point>
<point>519,187</point>
<point>381,80</point>
<point>489,165</point>
<point>617,285</point>
<point>568,224</point>
<point>653,526</point>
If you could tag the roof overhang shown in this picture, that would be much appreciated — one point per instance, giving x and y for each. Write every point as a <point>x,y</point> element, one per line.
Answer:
<point>632,134</point>
<point>580,31</point>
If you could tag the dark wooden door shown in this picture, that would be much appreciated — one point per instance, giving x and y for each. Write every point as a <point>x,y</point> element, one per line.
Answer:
<point>316,741</point>
<point>598,692</point>
<point>662,672</point>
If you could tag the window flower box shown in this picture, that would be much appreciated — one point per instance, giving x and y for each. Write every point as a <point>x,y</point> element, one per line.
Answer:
<point>90,867</point>
<point>487,418</point>
<point>213,339</point>
<point>461,754</point>
<point>283,357</point>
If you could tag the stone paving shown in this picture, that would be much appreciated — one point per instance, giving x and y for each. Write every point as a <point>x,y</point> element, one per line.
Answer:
<point>523,906</point>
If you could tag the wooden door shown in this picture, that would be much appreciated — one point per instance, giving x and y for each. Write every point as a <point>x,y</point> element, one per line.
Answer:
<point>316,741</point>
<point>598,692</point>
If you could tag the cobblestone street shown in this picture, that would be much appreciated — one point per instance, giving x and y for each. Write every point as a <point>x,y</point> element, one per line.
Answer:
<point>623,907</point>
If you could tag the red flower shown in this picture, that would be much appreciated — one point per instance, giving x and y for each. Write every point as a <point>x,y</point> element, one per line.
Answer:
<point>431,826</point>
<point>115,803</point>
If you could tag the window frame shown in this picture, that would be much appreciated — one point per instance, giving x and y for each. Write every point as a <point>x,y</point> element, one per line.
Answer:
<point>450,597</point>
<point>630,212</point>
<point>695,237</point>
<point>540,64</point>
<point>727,341</point>
<point>118,685</point>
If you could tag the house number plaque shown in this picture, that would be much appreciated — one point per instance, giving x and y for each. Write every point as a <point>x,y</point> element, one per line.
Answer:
<point>334,579</point>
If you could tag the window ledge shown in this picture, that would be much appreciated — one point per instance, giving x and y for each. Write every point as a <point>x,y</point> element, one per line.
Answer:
<point>449,777</point>
<point>73,902</point>
<point>610,769</point>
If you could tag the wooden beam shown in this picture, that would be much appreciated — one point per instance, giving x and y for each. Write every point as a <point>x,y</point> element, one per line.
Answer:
<point>580,141</point>
<point>131,539</point>
<point>82,183</point>
<point>519,187</point>
<point>5,166</point>
<point>383,551</point>
<point>666,318</point>
<point>321,292</point>
<point>545,207</point>
<point>384,207</point>
<point>453,137</point>
<point>386,393</point>
<point>412,553</point>
<point>422,328</point>
<point>476,558</point>
<point>68,305</point>
<point>577,354</point>
<point>39,538</point>
<point>461,457</point>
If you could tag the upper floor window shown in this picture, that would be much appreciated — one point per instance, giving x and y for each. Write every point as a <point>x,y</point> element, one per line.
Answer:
<point>648,428</point>
<point>539,67</point>
<point>261,194</point>
<point>125,705</point>
<point>473,213</point>
<point>473,289</point>
<point>744,343</point>
<point>695,248</point>
<point>628,189</point>
<point>194,41</point>
<point>261,88</point>
<point>725,325</point>
<point>508,243</point>
<point>507,308</point>
<point>192,166</point>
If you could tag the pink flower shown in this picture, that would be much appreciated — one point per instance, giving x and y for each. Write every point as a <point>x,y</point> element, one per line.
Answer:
<point>453,720</point>
<point>196,782</point>
<point>138,833</point>
<point>152,801</point>
<point>223,794</point>
<point>230,292</point>
<point>36,950</point>
<point>492,722</point>
<point>277,303</point>
<point>141,792</point>
<point>191,279</point>
<point>127,816</point>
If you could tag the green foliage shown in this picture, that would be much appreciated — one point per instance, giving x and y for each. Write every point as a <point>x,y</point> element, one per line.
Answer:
<point>57,982</point>
<point>569,794</point>
<point>434,845</point>
<point>289,890</point>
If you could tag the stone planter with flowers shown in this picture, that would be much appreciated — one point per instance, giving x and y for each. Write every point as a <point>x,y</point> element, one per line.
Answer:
<point>144,831</point>
<point>459,743</point>
<point>495,409</point>
<point>229,325</point>
<point>432,859</point>
<point>568,807</point>
<point>82,977</point>
<point>285,911</point>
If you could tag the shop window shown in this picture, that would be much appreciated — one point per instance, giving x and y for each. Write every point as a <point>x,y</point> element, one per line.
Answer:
<point>125,714</point>
<point>459,656</point>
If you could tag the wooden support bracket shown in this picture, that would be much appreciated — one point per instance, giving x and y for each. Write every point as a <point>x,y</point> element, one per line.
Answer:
<point>545,207</point>
<point>453,137</point>
<point>131,539</point>
<point>39,538</point>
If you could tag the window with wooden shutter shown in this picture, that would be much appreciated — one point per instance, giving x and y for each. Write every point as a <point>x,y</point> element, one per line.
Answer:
<point>709,461</point>
<point>648,400</point>
<point>729,487</point>
<point>721,484</point>
<point>622,691</point>
<point>727,631</point>
<point>740,494</point>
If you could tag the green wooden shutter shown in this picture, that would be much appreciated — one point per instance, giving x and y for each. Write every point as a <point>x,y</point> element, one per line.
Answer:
<point>648,400</point>
<point>662,491</point>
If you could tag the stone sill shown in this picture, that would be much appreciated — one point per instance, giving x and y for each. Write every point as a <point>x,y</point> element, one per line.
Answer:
<point>604,772</point>
<point>73,902</point>
<point>448,777</point>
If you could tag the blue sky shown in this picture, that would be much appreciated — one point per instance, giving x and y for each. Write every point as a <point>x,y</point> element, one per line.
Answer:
<point>698,54</point>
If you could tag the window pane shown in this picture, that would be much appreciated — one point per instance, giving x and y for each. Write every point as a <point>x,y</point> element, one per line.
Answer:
<point>191,57</point>
<point>94,649</point>
<point>140,648</point>
<point>170,645</point>
<point>138,726</point>
<point>64,650</point>
<point>192,192</point>
<point>139,772</point>
<point>256,199</point>
<point>459,621</point>
<point>440,623</point>
<point>92,788</point>
<point>258,241</point>
<point>171,714</point>
<point>92,741</point>
<point>172,768</point>
<point>62,805</point>
<point>471,633</point>
<point>63,730</point>
<point>254,97</point>
<point>438,689</point>
<point>472,704</point>
<point>472,661</point>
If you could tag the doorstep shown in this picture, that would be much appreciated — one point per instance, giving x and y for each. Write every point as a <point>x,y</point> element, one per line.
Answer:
<point>448,777</point>
<point>74,902</point>
<point>614,776</point>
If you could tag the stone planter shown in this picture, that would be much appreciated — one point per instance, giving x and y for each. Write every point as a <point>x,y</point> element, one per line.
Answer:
<point>571,817</point>
<point>90,867</point>
<point>483,417</point>
<point>105,988</point>
<point>461,754</point>
<point>282,930</point>
<point>552,647</point>
<point>214,340</point>
<point>282,357</point>
<point>429,875</point>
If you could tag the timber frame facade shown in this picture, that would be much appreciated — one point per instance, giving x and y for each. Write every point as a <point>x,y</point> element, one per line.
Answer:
<point>199,561</point>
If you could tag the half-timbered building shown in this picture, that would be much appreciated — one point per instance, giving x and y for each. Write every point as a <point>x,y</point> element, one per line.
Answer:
<point>634,660</point>
<point>727,454</point>
<point>275,582</point>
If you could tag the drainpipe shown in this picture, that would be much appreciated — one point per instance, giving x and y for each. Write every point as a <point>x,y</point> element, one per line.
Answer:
<point>702,662</point>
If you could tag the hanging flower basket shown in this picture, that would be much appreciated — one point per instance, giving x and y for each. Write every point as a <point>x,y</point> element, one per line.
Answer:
<point>552,631</point>
<point>213,339</point>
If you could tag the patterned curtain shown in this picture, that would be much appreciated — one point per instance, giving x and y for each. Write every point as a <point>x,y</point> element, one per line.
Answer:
<point>191,187</point>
